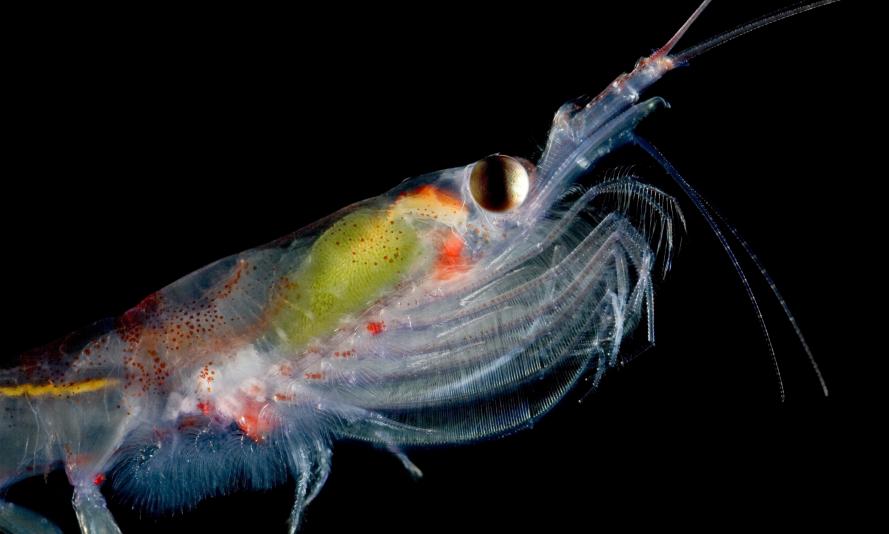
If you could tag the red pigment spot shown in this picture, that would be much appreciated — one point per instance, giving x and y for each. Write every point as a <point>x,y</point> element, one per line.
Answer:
<point>314,376</point>
<point>99,479</point>
<point>188,422</point>
<point>207,374</point>
<point>376,327</point>
<point>232,280</point>
<point>450,258</point>
<point>132,323</point>
<point>205,407</point>
<point>136,315</point>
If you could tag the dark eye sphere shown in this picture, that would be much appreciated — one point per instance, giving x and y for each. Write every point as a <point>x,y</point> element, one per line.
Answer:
<point>499,183</point>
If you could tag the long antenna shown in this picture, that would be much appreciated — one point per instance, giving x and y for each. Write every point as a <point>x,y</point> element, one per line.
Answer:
<point>713,42</point>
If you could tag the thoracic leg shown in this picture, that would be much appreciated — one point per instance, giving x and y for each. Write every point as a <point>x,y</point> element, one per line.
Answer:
<point>311,466</point>
<point>92,513</point>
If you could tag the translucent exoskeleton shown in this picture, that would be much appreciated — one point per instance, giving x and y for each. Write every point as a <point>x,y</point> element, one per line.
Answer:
<point>463,304</point>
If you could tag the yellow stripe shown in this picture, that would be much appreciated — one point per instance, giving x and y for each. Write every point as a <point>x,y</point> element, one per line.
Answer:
<point>39,390</point>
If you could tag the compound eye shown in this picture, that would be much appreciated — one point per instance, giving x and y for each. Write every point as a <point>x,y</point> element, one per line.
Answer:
<point>499,183</point>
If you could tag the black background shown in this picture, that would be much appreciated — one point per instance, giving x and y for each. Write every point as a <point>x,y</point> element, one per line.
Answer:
<point>136,155</point>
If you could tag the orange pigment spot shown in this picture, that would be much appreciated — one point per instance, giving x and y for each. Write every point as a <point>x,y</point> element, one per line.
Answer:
<point>314,376</point>
<point>430,202</point>
<point>254,390</point>
<point>451,260</point>
<point>376,327</point>
<point>434,194</point>
<point>252,423</point>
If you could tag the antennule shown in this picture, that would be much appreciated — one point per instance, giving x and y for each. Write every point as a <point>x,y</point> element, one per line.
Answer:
<point>668,46</point>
